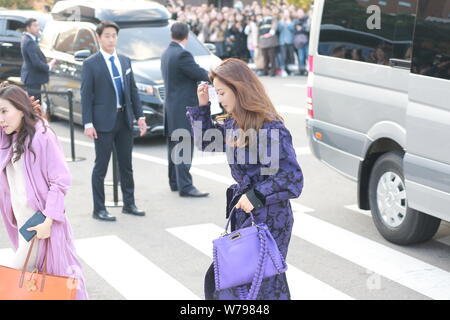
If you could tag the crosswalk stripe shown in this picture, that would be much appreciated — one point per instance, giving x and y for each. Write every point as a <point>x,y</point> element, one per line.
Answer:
<point>6,255</point>
<point>296,206</point>
<point>354,207</point>
<point>302,285</point>
<point>203,158</point>
<point>295,85</point>
<point>291,110</point>
<point>129,272</point>
<point>416,279</point>
<point>445,240</point>
<point>412,273</point>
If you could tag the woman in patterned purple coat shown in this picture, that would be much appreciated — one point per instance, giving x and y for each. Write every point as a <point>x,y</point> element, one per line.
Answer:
<point>266,178</point>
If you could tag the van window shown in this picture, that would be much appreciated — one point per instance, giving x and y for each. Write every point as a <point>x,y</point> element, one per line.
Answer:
<point>65,40</point>
<point>85,41</point>
<point>145,42</point>
<point>431,52</point>
<point>350,31</point>
<point>49,35</point>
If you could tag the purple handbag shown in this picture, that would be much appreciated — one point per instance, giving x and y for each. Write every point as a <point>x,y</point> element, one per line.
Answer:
<point>247,255</point>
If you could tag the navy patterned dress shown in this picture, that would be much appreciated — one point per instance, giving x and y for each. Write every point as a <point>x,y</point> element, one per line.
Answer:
<point>269,194</point>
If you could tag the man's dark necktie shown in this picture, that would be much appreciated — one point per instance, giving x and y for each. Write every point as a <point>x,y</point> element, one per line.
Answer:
<point>117,81</point>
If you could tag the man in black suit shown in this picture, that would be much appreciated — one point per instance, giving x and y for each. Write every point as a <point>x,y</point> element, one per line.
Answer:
<point>181,74</point>
<point>35,70</point>
<point>110,102</point>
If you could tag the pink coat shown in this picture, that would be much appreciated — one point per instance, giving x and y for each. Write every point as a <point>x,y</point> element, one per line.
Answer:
<point>47,180</point>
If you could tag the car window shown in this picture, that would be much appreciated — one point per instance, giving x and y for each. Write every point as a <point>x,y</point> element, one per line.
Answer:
<point>14,27</point>
<point>65,41</point>
<point>431,51</point>
<point>352,30</point>
<point>85,41</point>
<point>145,42</point>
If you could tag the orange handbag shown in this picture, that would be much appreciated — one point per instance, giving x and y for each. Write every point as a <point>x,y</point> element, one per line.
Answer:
<point>22,285</point>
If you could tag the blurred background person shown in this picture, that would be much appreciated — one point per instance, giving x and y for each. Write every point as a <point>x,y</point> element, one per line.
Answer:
<point>268,41</point>
<point>286,36</point>
<point>301,39</point>
<point>35,70</point>
<point>181,74</point>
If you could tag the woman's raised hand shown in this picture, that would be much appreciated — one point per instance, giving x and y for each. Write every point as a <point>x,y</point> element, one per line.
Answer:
<point>36,105</point>
<point>203,95</point>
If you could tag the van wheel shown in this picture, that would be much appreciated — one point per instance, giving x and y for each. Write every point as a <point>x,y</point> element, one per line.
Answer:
<point>395,221</point>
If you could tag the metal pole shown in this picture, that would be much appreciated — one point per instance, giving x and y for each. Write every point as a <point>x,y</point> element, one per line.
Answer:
<point>115,202</point>
<point>72,129</point>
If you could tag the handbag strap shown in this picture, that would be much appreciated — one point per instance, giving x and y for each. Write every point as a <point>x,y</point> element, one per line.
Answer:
<point>259,273</point>
<point>25,265</point>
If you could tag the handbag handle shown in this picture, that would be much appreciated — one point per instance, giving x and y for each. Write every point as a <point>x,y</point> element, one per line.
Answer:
<point>229,220</point>
<point>22,277</point>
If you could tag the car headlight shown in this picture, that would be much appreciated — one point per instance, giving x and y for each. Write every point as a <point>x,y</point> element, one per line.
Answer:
<point>146,89</point>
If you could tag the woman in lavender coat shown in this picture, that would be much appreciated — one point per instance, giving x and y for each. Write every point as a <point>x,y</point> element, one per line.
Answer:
<point>34,177</point>
<point>263,187</point>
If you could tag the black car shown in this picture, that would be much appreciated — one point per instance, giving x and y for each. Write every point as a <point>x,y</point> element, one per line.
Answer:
<point>143,37</point>
<point>12,26</point>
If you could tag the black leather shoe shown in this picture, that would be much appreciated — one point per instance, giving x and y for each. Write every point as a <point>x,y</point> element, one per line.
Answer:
<point>173,188</point>
<point>103,215</point>
<point>194,193</point>
<point>132,209</point>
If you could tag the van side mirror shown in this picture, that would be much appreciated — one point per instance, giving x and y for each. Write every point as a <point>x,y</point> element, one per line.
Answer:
<point>82,55</point>
<point>211,47</point>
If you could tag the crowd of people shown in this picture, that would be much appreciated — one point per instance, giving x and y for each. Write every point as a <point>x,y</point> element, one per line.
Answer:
<point>273,37</point>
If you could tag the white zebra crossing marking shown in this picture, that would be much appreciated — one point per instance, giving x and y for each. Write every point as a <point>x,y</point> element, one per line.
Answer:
<point>203,158</point>
<point>354,207</point>
<point>445,240</point>
<point>440,289</point>
<point>291,110</point>
<point>410,272</point>
<point>295,85</point>
<point>6,255</point>
<point>129,272</point>
<point>302,285</point>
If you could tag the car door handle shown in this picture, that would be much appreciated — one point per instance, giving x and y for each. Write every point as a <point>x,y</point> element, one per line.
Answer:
<point>7,44</point>
<point>400,63</point>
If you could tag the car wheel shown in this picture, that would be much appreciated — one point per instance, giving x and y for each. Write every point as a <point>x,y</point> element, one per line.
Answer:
<point>395,221</point>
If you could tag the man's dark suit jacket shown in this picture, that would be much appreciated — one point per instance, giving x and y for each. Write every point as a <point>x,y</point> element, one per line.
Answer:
<point>34,68</point>
<point>181,74</point>
<point>98,94</point>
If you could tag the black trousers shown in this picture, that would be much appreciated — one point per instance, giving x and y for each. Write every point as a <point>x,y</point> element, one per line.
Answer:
<point>270,55</point>
<point>34,90</point>
<point>179,176</point>
<point>122,138</point>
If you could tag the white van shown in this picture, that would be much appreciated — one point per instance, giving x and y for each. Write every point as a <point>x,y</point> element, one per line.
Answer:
<point>379,107</point>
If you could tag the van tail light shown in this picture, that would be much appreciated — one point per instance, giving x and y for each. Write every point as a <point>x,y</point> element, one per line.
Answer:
<point>309,101</point>
<point>310,63</point>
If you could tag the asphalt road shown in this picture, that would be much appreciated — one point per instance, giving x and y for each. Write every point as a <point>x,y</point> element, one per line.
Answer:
<point>335,250</point>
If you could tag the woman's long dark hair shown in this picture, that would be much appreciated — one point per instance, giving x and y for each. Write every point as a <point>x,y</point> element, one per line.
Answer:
<point>20,100</point>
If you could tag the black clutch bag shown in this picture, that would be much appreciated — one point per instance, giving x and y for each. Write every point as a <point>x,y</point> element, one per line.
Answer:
<point>36,219</point>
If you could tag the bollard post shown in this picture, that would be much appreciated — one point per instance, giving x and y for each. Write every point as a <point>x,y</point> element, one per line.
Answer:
<point>72,129</point>
<point>115,203</point>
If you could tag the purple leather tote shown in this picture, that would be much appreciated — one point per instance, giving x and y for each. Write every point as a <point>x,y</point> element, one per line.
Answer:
<point>247,255</point>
